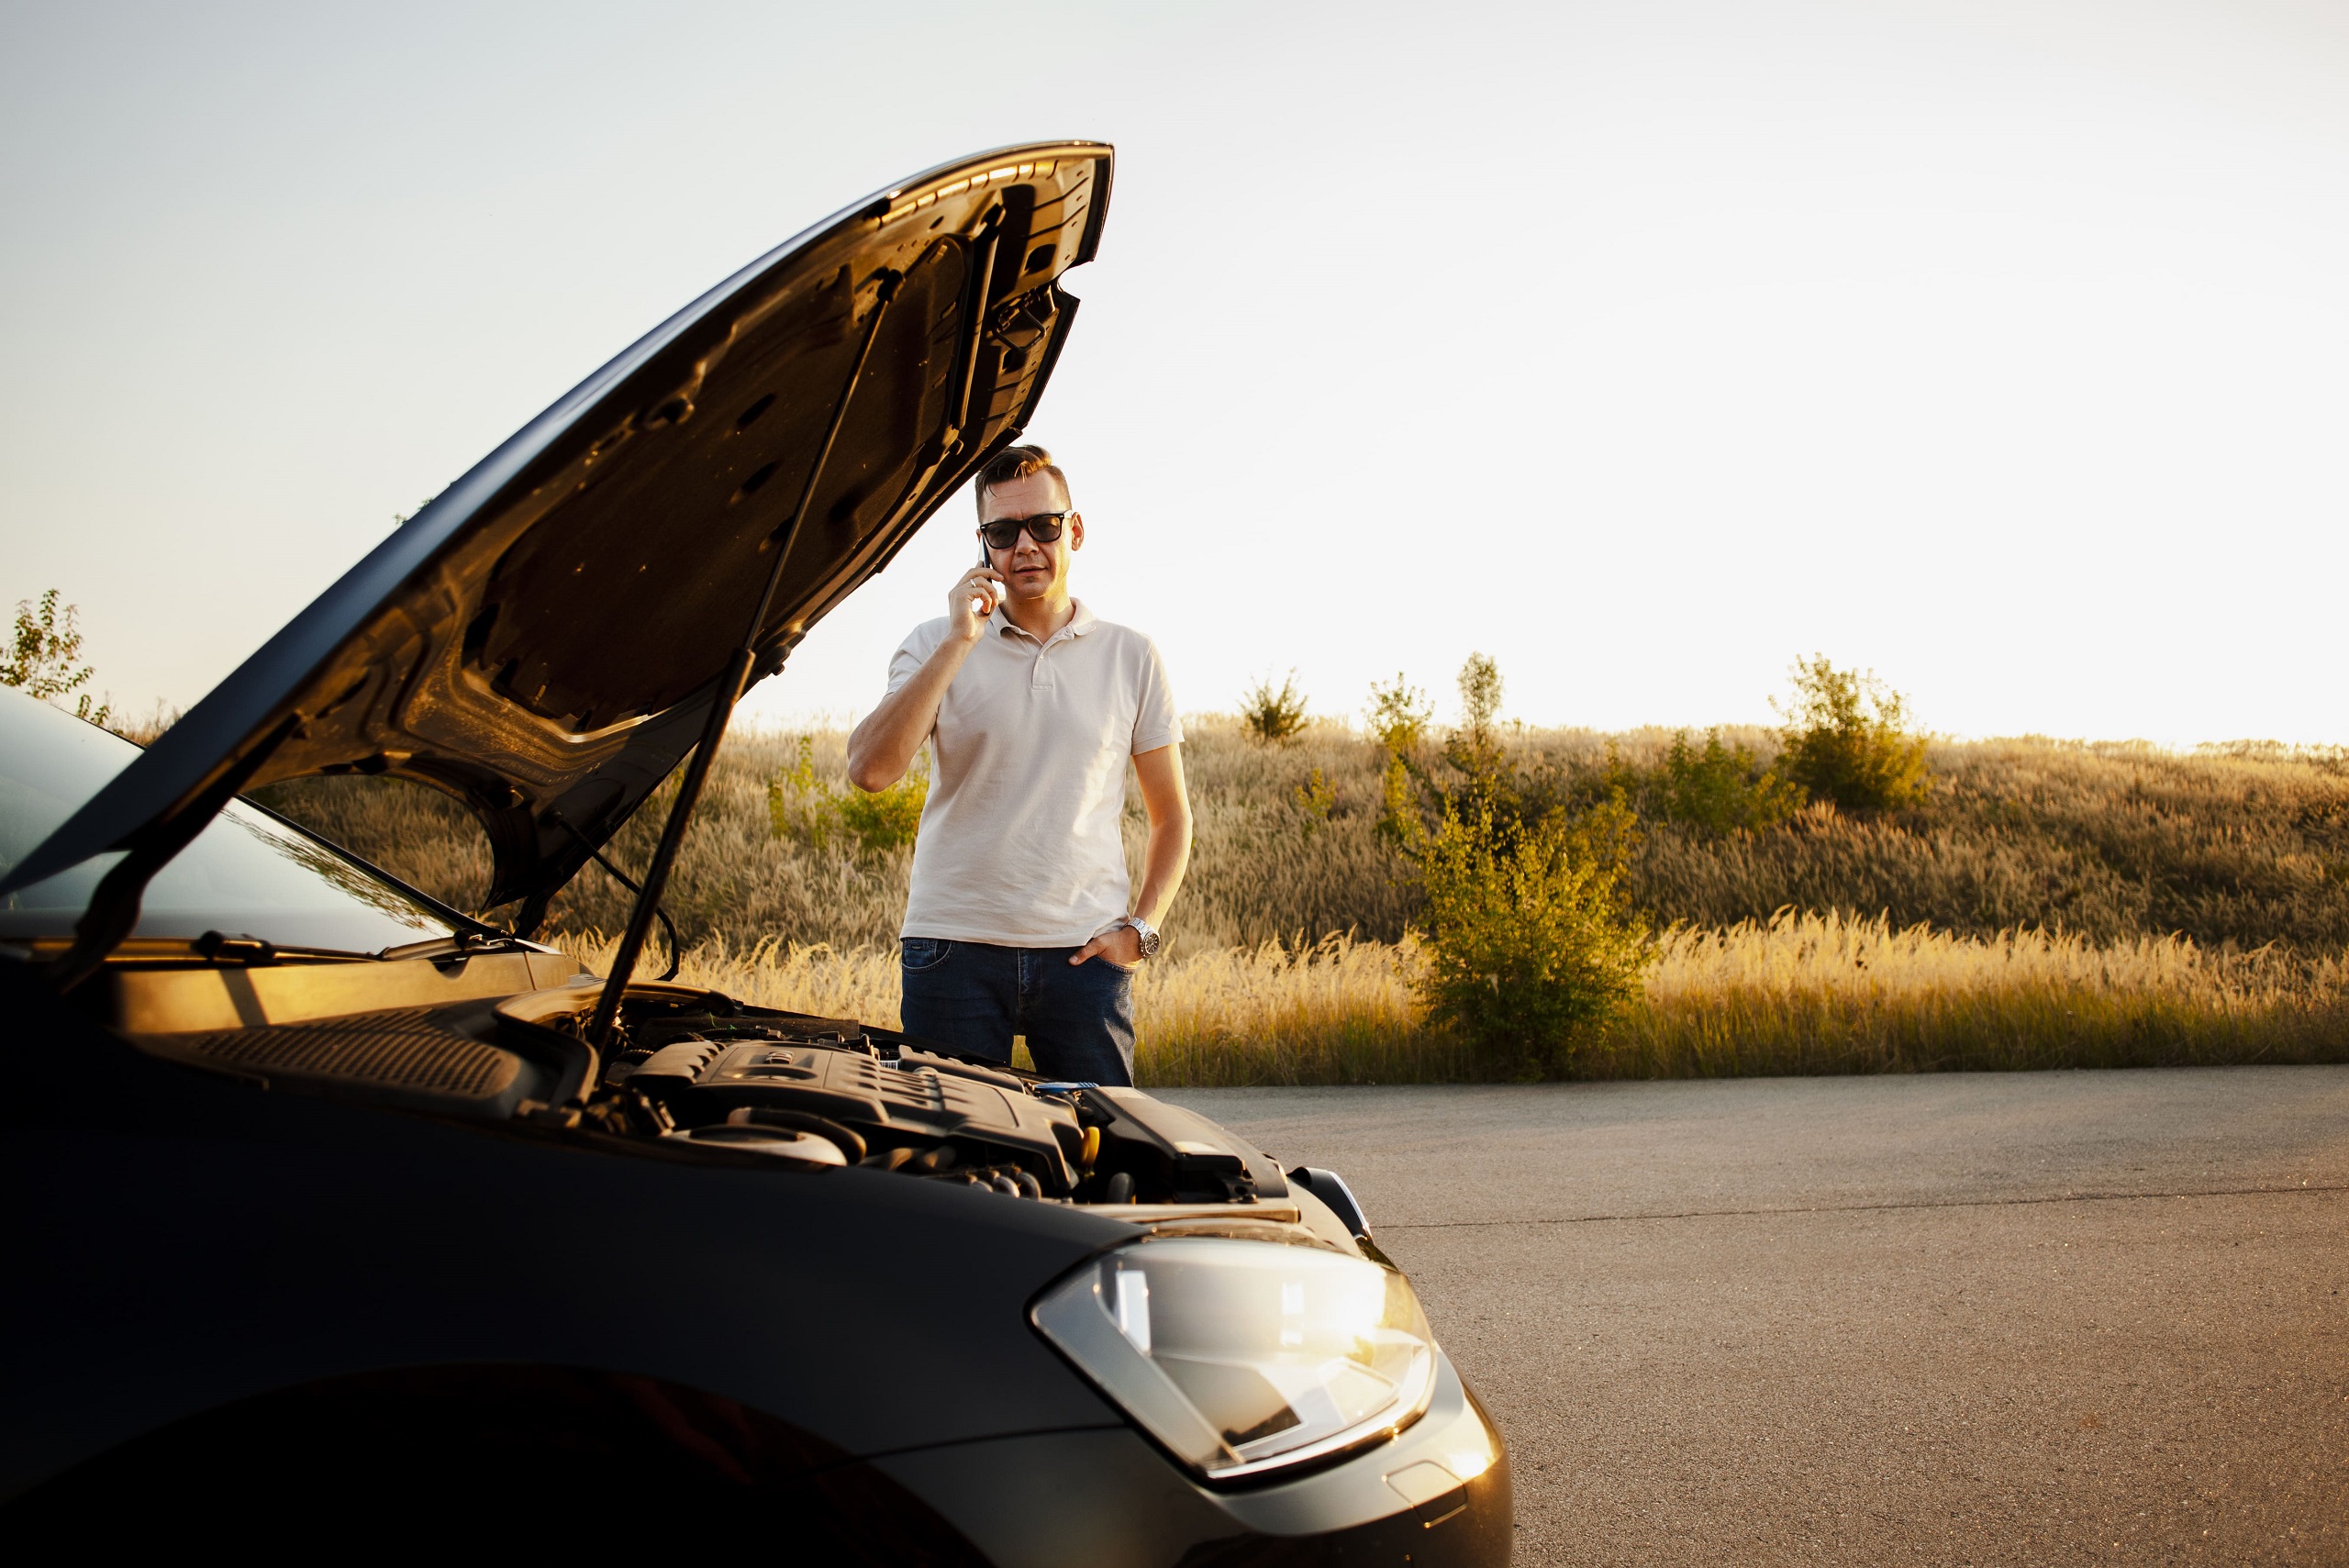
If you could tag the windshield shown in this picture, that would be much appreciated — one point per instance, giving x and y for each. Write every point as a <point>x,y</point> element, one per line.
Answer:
<point>245,874</point>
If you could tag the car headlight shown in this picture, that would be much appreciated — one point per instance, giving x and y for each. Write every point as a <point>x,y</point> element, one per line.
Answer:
<point>1243,1356</point>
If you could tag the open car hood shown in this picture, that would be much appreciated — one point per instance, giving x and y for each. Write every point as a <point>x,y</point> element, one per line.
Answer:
<point>544,638</point>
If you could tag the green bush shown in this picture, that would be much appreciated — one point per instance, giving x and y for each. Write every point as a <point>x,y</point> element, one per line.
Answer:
<point>1528,936</point>
<point>1846,740</point>
<point>1398,716</point>
<point>1314,799</point>
<point>1723,789</point>
<point>1273,717</point>
<point>801,805</point>
<point>1529,943</point>
<point>1473,776</point>
<point>890,818</point>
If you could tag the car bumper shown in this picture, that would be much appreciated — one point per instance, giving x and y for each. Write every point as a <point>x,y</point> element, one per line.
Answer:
<point>1436,1494</point>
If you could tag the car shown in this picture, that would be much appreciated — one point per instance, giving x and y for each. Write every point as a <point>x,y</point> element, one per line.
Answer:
<point>341,1219</point>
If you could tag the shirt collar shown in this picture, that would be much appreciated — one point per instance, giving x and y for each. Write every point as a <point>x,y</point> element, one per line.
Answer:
<point>1080,621</point>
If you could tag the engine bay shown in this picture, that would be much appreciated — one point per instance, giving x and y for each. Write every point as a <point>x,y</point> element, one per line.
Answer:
<point>689,1072</point>
<point>697,1069</point>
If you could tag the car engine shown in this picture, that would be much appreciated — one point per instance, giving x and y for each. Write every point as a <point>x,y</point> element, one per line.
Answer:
<point>690,1071</point>
<point>696,1069</point>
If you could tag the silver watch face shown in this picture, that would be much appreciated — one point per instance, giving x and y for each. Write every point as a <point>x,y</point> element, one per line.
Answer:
<point>1149,935</point>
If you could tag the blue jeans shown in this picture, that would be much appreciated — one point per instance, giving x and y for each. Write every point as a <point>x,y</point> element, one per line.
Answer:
<point>971,997</point>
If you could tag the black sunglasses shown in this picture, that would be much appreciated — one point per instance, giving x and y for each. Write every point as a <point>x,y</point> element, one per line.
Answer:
<point>1004,532</point>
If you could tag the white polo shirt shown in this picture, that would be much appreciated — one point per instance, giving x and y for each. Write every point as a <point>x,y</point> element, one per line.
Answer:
<point>1019,842</point>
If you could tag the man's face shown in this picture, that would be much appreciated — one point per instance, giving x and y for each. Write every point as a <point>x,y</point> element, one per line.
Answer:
<point>1032,571</point>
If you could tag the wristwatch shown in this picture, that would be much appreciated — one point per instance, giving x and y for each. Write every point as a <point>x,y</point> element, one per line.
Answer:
<point>1148,933</point>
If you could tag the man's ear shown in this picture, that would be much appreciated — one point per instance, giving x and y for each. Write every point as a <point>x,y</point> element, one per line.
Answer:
<point>1076,531</point>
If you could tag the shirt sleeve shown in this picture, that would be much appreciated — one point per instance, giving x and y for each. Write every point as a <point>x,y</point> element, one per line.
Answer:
<point>907,659</point>
<point>1155,724</point>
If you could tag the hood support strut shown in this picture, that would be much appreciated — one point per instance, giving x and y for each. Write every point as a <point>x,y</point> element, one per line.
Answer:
<point>728,692</point>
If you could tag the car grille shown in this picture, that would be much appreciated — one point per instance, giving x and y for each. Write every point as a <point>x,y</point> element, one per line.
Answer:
<point>402,1050</point>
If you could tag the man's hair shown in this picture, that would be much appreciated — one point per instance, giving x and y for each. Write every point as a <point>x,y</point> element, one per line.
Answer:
<point>1017,463</point>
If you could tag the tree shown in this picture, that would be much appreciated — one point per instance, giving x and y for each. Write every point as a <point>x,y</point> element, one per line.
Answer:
<point>40,661</point>
<point>1473,749</point>
<point>1480,697</point>
<point>1846,740</point>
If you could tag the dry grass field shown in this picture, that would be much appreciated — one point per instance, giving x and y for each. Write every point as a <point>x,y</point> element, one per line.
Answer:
<point>2050,903</point>
<point>1801,995</point>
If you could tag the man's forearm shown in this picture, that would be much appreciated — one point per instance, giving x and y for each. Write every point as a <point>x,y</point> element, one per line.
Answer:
<point>883,747</point>
<point>1164,859</point>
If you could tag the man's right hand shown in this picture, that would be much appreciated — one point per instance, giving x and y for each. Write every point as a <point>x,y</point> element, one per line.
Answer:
<point>881,748</point>
<point>973,599</point>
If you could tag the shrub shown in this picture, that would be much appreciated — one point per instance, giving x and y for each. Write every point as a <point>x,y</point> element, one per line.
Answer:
<point>1722,789</point>
<point>801,805</point>
<point>1398,716</point>
<point>1478,777</point>
<point>1314,799</point>
<point>889,819</point>
<point>40,658</point>
<point>1846,740</point>
<point>1529,944</point>
<point>1528,938</point>
<point>1274,717</point>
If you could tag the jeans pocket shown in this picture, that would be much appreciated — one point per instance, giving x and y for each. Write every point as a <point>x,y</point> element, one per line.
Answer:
<point>917,953</point>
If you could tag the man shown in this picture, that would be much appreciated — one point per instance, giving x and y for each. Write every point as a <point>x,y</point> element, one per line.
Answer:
<point>1020,921</point>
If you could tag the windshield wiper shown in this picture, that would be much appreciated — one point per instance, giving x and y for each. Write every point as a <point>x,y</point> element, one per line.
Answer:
<point>466,942</point>
<point>112,910</point>
<point>245,951</point>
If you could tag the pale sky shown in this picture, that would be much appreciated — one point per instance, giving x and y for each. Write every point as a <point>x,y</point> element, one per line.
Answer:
<point>2003,348</point>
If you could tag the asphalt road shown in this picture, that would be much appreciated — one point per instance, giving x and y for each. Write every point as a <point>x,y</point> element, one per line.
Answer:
<point>1960,1318</point>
